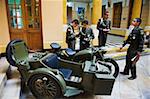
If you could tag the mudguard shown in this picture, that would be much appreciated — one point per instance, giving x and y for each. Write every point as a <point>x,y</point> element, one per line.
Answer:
<point>54,73</point>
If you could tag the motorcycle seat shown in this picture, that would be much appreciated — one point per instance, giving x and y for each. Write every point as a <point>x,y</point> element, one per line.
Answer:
<point>55,46</point>
<point>70,52</point>
<point>52,61</point>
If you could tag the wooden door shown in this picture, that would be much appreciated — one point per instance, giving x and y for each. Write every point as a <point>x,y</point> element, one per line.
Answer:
<point>117,12</point>
<point>103,10</point>
<point>130,12</point>
<point>69,14</point>
<point>24,17</point>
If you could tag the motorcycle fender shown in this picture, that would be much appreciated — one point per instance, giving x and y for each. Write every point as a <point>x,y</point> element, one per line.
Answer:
<point>54,73</point>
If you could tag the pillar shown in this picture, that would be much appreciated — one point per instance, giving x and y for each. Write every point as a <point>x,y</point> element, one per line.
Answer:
<point>97,11</point>
<point>136,10</point>
<point>149,15</point>
<point>64,11</point>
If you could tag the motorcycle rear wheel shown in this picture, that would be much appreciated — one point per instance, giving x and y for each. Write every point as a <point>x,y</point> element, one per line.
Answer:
<point>112,66</point>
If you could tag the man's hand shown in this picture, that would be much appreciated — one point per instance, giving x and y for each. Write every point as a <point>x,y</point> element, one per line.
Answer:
<point>139,53</point>
<point>106,30</point>
<point>121,48</point>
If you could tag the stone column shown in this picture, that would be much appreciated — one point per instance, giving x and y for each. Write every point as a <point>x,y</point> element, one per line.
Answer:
<point>136,10</point>
<point>64,11</point>
<point>97,11</point>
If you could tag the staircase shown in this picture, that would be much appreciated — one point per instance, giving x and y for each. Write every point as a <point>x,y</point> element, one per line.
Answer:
<point>9,81</point>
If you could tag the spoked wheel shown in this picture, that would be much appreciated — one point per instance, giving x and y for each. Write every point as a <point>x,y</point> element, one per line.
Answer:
<point>9,55</point>
<point>44,86</point>
<point>111,65</point>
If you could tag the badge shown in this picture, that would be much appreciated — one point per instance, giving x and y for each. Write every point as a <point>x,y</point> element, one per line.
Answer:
<point>133,37</point>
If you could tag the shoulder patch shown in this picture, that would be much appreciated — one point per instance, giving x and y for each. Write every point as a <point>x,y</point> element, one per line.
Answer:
<point>142,32</point>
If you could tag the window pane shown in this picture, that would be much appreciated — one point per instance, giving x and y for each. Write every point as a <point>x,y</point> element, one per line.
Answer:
<point>18,1</point>
<point>31,23</point>
<point>13,22</point>
<point>37,1</point>
<point>19,11</point>
<point>28,2</point>
<point>20,23</point>
<point>36,11</point>
<point>11,2</point>
<point>12,10</point>
<point>29,10</point>
<point>36,23</point>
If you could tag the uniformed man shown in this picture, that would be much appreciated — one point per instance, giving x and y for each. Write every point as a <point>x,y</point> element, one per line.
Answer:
<point>136,41</point>
<point>70,34</point>
<point>86,35</point>
<point>103,26</point>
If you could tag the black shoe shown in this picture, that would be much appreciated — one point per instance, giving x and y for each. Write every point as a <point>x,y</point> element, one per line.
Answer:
<point>123,73</point>
<point>132,78</point>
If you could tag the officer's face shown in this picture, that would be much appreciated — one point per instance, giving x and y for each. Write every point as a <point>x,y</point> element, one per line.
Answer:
<point>106,16</point>
<point>135,23</point>
<point>84,25</point>
<point>74,25</point>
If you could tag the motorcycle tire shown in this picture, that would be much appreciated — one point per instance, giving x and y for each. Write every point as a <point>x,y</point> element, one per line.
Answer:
<point>44,86</point>
<point>114,63</point>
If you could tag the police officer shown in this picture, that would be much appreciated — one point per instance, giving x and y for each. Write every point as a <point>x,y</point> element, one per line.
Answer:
<point>70,34</point>
<point>103,26</point>
<point>86,35</point>
<point>136,41</point>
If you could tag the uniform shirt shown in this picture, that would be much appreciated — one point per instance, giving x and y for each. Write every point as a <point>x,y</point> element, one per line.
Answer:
<point>70,35</point>
<point>135,39</point>
<point>86,34</point>
<point>103,24</point>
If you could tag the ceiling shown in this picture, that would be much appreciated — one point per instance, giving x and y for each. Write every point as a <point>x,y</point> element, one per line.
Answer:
<point>84,1</point>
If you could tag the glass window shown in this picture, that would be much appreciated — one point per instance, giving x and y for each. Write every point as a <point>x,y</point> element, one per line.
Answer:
<point>12,10</point>
<point>19,11</point>
<point>18,1</point>
<point>11,2</point>
<point>30,23</point>
<point>15,13</point>
<point>13,22</point>
<point>37,23</point>
<point>20,23</point>
<point>36,10</point>
<point>29,10</point>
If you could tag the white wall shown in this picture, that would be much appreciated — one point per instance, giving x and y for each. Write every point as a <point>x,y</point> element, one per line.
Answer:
<point>52,21</point>
<point>4,30</point>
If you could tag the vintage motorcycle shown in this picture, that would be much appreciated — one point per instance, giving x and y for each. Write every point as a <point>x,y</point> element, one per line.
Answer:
<point>49,76</point>
<point>87,54</point>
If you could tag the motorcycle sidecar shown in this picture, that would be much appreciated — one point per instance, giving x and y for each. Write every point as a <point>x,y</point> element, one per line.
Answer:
<point>50,77</point>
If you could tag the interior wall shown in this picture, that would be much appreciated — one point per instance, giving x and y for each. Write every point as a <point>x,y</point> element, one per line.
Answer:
<point>52,22</point>
<point>4,30</point>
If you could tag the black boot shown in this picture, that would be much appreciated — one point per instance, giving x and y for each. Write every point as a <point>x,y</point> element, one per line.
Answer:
<point>133,72</point>
<point>123,73</point>
<point>132,78</point>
